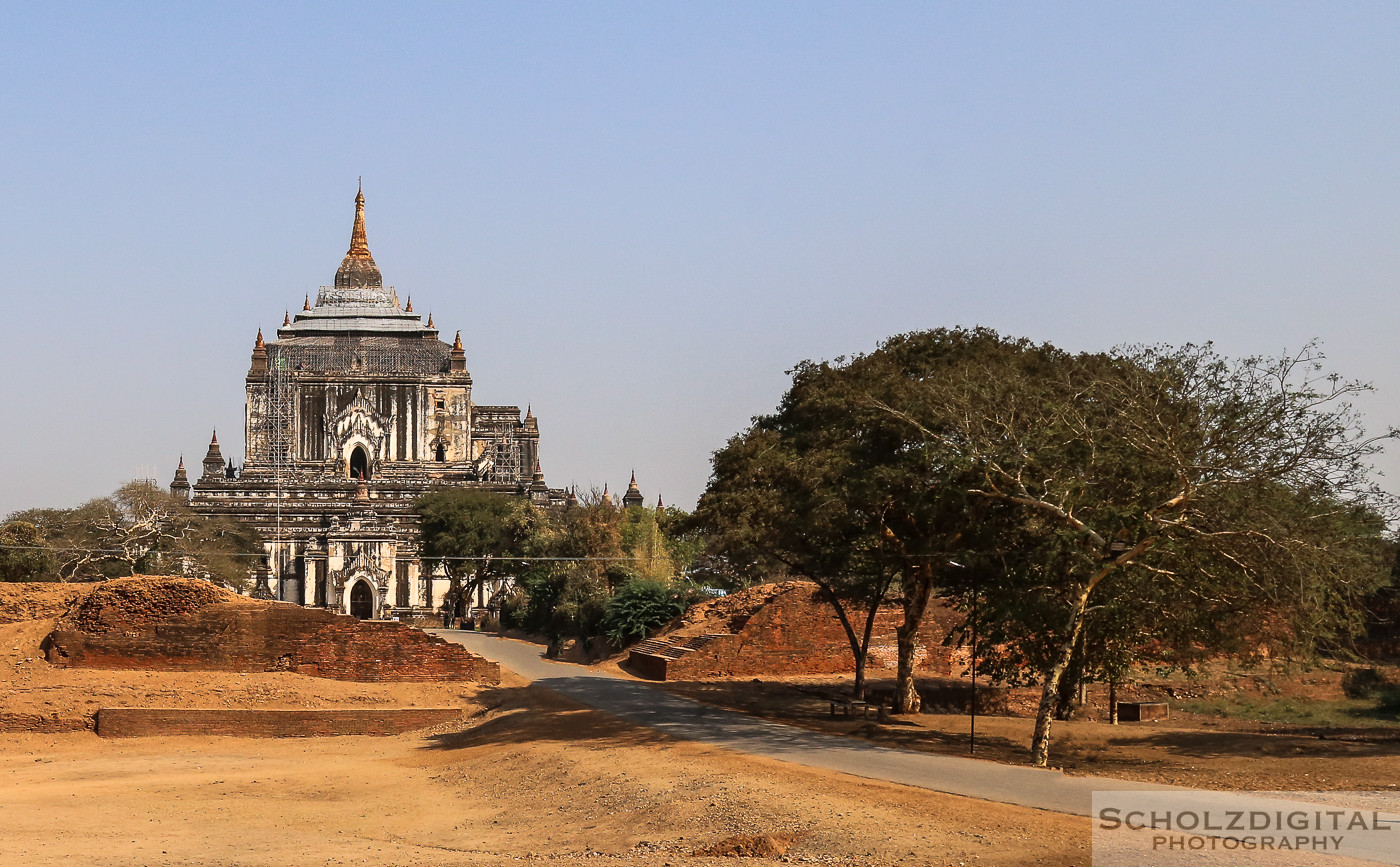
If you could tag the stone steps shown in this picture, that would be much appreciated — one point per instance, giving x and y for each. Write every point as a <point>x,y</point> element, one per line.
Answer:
<point>650,656</point>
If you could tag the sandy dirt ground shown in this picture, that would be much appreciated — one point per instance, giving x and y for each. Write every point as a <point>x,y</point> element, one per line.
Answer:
<point>533,778</point>
<point>527,777</point>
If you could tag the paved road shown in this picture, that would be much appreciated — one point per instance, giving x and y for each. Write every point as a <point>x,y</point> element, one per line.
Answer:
<point>642,703</point>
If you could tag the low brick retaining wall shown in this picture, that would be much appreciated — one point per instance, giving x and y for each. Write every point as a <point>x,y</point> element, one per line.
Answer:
<point>131,722</point>
<point>46,724</point>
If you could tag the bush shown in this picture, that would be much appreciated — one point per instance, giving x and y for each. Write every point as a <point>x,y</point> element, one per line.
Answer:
<point>1365,683</point>
<point>1371,683</point>
<point>641,607</point>
<point>513,610</point>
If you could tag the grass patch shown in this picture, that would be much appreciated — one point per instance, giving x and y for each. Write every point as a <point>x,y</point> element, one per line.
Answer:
<point>1339,713</point>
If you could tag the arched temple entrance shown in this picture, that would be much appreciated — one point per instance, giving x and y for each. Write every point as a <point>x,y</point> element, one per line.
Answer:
<point>362,600</point>
<point>359,464</point>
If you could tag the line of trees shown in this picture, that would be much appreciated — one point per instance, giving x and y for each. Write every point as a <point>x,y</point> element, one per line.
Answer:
<point>139,529</point>
<point>592,570</point>
<point>1097,511</point>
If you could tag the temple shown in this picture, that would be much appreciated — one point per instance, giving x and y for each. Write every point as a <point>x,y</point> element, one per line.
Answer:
<point>355,410</point>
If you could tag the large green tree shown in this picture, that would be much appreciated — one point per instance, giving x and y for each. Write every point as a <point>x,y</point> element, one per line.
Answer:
<point>832,486</point>
<point>1165,499</point>
<point>475,536</point>
<point>779,514</point>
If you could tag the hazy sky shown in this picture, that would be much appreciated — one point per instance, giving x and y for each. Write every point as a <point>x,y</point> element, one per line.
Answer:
<point>640,215</point>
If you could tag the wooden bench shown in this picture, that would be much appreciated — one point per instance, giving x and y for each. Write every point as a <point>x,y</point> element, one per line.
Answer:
<point>849,706</point>
<point>1142,711</point>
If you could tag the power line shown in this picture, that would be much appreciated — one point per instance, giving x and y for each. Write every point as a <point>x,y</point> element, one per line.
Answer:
<point>481,558</point>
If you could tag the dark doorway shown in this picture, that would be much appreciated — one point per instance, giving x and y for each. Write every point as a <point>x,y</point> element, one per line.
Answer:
<point>362,600</point>
<point>359,464</point>
<point>441,453</point>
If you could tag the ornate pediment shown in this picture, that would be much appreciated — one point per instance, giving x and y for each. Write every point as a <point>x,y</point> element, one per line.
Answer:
<point>359,421</point>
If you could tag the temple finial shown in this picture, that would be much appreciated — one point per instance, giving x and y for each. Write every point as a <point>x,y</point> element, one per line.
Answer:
<point>286,318</point>
<point>259,343</point>
<point>457,346</point>
<point>359,246</point>
<point>409,308</point>
<point>430,319</point>
<point>306,305</point>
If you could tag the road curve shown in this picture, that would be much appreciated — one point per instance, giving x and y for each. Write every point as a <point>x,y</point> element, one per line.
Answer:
<point>644,704</point>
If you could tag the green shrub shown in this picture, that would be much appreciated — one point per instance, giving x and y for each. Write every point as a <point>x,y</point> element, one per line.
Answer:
<point>639,607</point>
<point>1365,683</point>
<point>1388,698</point>
<point>513,610</point>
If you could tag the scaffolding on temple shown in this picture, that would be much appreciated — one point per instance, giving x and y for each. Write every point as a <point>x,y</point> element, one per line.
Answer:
<point>505,464</point>
<point>278,431</point>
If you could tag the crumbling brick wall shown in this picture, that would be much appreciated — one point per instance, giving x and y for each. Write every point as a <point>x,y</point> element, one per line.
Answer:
<point>169,627</point>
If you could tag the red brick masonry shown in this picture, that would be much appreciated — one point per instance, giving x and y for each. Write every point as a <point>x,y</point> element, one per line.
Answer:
<point>238,636</point>
<point>47,724</point>
<point>791,631</point>
<point>131,722</point>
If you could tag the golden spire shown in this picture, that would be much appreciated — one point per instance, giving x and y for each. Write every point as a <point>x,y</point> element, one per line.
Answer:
<point>409,308</point>
<point>258,345</point>
<point>286,318</point>
<point>359,246</point>
<point>358,270</point>
<point>306,305</point>
<point>430,319</point>
<point>457,344</point>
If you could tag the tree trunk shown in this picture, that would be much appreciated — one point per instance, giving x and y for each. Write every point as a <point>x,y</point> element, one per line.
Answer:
<point>1072,682</point>
<point>1049,690</point>
<point>858,690</point>
<point>857,651</point>
<point>918,584</point>
<point>860,645</point>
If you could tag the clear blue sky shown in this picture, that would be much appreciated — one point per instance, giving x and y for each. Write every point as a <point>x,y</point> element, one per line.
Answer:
<point>641,214</point>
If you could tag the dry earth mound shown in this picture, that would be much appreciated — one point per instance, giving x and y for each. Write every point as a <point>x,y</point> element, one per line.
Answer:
<point>127,603</point>
<point>38,601</point>
<point>730,613</point>
<point>176,624</point>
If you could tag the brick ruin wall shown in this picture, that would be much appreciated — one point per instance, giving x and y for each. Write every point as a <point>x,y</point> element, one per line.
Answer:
<point>795,632</point>
<point>232,636</point>
<point>131,722</point>
<point>187,625</point>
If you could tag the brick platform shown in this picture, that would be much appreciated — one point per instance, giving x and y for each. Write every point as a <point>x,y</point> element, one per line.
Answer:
<point>131,722</point>
<point>242,635</point>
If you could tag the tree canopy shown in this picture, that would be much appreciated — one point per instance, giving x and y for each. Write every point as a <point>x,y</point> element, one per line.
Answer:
<point>1098,509</point>
<point>139,528</point>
